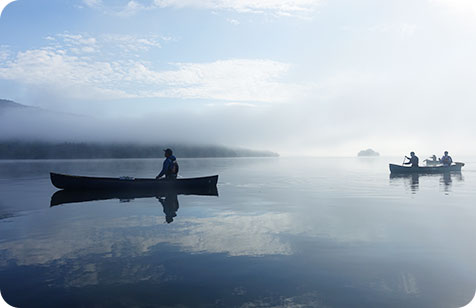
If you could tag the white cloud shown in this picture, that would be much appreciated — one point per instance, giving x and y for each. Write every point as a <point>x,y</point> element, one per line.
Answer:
<point>234,104</point>
<point>93,3</point>
<point>58,70</point>
<point>236,79</point>
<point>113,43</point>
<point>274,7</point>
<point>131,43</point>
<point>78,39</point>
<point>4,53</point>
<point>233,21</point>
<point>279,7</point>
<point>77,67</point>
<point>131,8</point>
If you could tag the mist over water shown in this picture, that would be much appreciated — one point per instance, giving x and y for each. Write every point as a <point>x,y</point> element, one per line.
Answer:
<point>330,232</point>
<point>304,129</point>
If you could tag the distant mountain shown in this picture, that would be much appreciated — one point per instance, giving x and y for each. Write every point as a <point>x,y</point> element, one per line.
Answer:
<point>71,150</point>
<point>5,103</point>
<point>368,152</point>
<point>37,133</point>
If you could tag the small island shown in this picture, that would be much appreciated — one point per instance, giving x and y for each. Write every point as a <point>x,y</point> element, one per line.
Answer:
<point>368,152</point>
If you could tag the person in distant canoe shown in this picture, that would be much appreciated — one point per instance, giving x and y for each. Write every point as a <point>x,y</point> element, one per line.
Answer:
<point>170,167</point>
<point>434,160</point>
<point>446,160</point>
<point>412,160</point>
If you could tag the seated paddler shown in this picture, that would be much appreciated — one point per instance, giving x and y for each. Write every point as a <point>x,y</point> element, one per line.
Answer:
<point>446,160</point>
<point>170,167</point>
<point>412,160</point>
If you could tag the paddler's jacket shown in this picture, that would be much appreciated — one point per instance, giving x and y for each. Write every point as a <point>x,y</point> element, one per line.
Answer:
<point>412,161</point>
<point>167,168</point>
<point>446,160</point>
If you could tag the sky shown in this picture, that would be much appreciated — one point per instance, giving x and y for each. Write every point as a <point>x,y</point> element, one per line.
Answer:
<point>299,77</point>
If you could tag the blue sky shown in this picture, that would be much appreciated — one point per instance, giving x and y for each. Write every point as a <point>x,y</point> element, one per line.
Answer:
<point>317,77</point>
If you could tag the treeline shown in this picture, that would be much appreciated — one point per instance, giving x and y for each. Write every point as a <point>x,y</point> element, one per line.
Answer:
<point>71,150</point>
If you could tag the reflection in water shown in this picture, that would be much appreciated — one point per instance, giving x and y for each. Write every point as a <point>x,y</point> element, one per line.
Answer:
<point>126,234</point>
<point>270,240</point>
<point>72,196</point>
<point>171,205</point>
<point>168,199</point>
<point>133,254</point>
<point>447,179</point>
<point>413,180</point>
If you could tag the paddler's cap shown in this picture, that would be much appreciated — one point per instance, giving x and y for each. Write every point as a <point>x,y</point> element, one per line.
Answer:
<point>412,153</point>
<point>168,151</point>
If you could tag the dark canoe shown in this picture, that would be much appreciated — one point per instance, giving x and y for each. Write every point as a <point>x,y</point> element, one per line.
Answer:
<point>76,196</point>
<point>398,169</point>
<point>72,182</point>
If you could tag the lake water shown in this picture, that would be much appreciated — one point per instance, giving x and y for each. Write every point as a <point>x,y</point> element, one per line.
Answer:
<point>283,232</point>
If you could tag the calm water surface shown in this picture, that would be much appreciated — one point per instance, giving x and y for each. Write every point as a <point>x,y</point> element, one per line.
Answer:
<point>283,232</point>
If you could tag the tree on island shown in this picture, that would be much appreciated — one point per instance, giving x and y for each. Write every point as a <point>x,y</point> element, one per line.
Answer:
<point>368,152</point>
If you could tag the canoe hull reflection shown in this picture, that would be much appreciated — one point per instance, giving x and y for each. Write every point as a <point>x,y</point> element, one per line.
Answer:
<point>71,182</point>
<point>75,196</point>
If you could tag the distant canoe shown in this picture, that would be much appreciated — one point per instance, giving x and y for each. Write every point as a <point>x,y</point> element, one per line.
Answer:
<point>398,169</point>
<point>72,182</point>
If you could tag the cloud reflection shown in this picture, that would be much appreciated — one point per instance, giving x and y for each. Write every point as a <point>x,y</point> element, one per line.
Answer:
<point>227,233</point>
